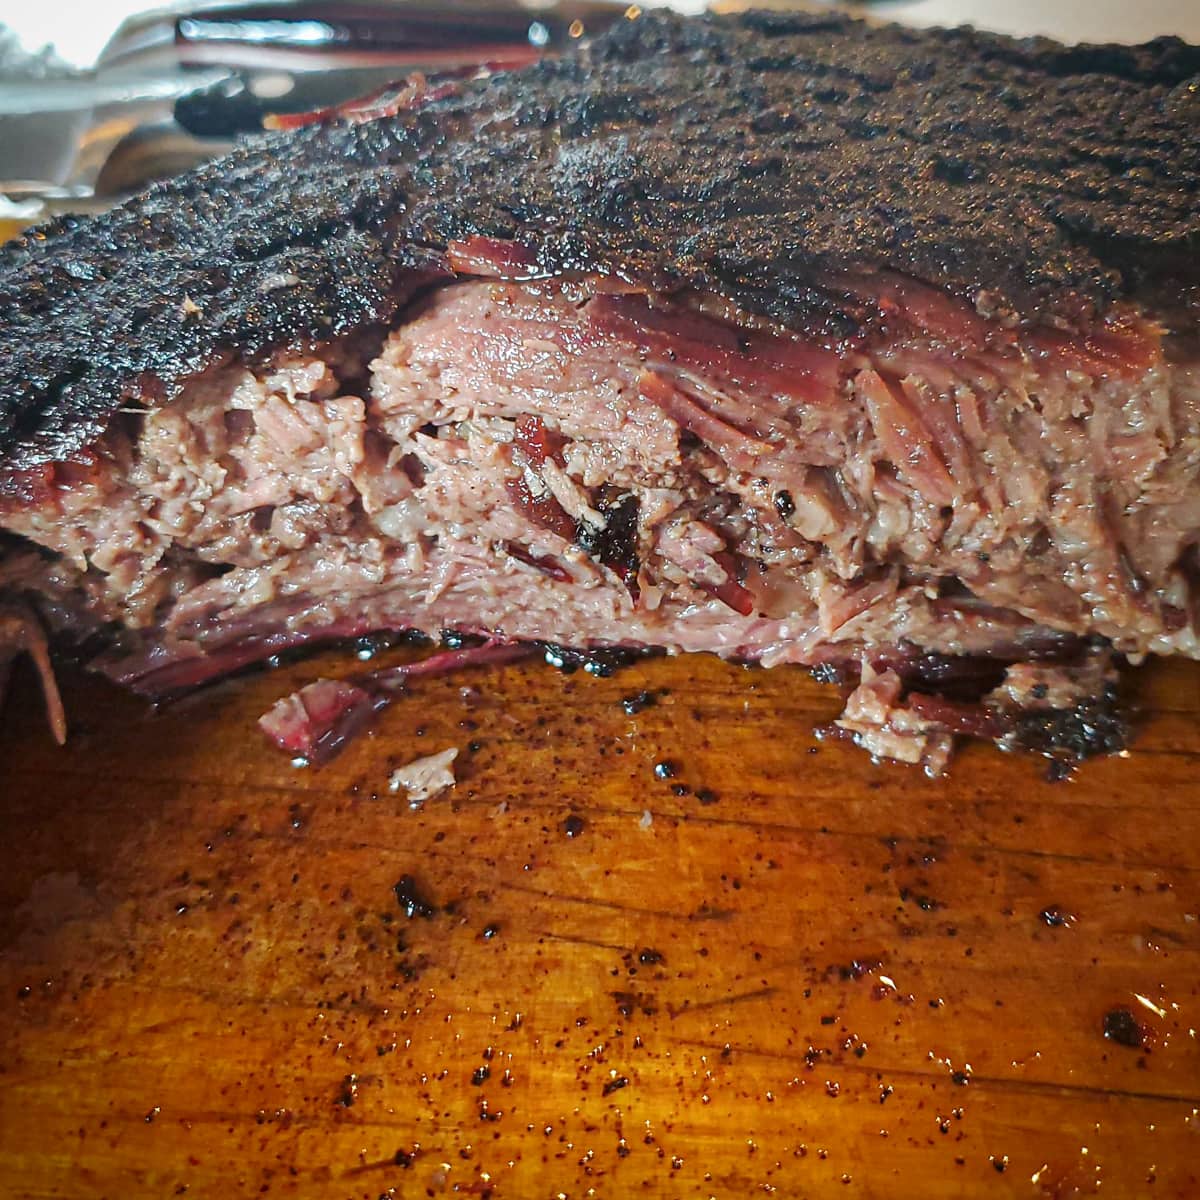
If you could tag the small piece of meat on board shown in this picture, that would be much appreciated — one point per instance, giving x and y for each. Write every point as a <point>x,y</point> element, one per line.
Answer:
<point>318,721</point>
<point>21,633</point>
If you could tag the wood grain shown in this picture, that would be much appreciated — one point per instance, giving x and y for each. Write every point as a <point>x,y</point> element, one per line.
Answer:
<point>825,978</point>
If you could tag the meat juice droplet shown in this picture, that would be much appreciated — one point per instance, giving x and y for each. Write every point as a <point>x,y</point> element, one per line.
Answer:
<point>1121,1026</point>
<point>638,702</point>
<point>574,825</point>
<point>1056,918</point>
<point>411,899</point>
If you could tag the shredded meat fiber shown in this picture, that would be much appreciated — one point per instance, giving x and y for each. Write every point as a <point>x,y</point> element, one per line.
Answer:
<point>571,463</point>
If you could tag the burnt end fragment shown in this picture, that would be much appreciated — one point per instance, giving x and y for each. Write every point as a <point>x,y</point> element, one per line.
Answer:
<point>1056,700</point>
<point>615,545</point>
<point>1095,726</point>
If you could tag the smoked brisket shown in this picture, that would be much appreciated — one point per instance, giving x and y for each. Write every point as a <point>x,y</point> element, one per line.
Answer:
<point>779,336</point>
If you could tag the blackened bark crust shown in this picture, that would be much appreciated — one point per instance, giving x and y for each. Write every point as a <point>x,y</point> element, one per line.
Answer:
<point>745,156</point>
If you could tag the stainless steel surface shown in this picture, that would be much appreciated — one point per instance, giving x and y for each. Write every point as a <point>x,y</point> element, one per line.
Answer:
<point>173,86</point>
<point>58,133</point>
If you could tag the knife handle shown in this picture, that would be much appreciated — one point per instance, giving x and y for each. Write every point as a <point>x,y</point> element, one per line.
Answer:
<point>401,27</point>
<point>311,56</point>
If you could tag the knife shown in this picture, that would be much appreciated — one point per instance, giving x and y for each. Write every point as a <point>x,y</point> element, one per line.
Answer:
<point>174,87</point>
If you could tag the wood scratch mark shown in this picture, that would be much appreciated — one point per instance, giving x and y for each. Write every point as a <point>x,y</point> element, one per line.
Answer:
<point>750,825</point>
<point>597,903</point>
<point>678,1010</point>
<point>576,940</point>
<point>1041,1086</point>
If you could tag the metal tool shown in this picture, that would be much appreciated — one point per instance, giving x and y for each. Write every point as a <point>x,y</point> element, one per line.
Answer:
<point>175,86</point>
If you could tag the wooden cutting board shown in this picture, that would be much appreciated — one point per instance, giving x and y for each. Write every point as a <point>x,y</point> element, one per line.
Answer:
<point>782,971</point>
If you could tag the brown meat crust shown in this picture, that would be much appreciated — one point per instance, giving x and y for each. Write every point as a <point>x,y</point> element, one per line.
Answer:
<point>752,157</point>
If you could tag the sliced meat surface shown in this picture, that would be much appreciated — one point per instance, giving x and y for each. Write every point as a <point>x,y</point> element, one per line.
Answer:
<point>552,462</point>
